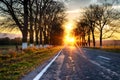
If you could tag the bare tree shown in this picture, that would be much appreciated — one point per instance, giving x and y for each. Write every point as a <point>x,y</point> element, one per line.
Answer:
<point>31,20</point>
<point>100,17</point>
<point>104,15</point>
<point>34,16</point>
<point>55,16</point>
<point>36,22</point>
<point>90,20</point>
<point>18,10</point>
<point>83,30</point>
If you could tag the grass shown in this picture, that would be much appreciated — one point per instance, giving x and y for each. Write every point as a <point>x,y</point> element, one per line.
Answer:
<point>14,67</point>
<point>115,49</point>
<point>7,47</point>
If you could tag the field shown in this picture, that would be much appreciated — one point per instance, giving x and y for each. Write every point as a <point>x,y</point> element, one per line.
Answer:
<point>115,49</point>
<point>14,65</point>
<point>109,45</point>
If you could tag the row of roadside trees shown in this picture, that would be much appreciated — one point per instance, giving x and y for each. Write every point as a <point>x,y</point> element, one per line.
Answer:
<point>97,19</point>
<point>38,20</point>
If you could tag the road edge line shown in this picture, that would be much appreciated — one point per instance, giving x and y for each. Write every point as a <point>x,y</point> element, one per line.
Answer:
<point>39,75</point>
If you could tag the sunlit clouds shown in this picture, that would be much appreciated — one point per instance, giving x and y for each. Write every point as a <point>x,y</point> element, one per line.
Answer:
<point>75,7</point>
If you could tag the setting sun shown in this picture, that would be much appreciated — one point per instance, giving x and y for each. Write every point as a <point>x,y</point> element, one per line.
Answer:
<point>69,38</point>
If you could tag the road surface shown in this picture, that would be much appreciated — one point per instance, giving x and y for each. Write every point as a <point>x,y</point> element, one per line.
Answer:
<point>82,64</point>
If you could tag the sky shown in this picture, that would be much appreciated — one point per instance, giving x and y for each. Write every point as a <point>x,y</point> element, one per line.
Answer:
<point>77,4</point>
<point>74,7</point>
<point>10,35</point>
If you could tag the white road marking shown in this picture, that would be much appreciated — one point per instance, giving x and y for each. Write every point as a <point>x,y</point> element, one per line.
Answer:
<point>67,78</point>
<point>104,57</point>
<point>67,66</point>
<point>45,69</point>
<point>104,68</point>
<point>60,61</point>
<point>73,68</point>
<point>71,59</point>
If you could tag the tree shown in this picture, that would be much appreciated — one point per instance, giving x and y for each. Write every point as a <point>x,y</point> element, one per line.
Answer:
<point>100,17</point>
<point>18,10</point>
<point>46,12</point>
<point>33,16</point>
<point>55,18</point>
<point>104,17</point>
<point>31,19</point>
<point>90,20</point>
<point>82,30</point>
<point>5,41</point>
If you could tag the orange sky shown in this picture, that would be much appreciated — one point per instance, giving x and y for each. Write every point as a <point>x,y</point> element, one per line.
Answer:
<point>74,10</point>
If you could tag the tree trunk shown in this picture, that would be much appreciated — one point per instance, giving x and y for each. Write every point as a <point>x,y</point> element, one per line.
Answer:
<point>83,41</point>
<point>25,29</point>
<point>31,25</point>
<point>93,36</point>
<point>101,38</point>
<point>36,26</point>
<point>31,38</point>
<point>41,42</point>
<point>36,37</point>
<point>24,39</point>
<point>49,38</point>
<point>45,35</point>
<point>89,38</point>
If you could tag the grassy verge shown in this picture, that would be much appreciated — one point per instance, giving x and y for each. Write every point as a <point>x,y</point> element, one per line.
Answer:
<point>13,66</point>
<point>109,49</point>
<point>116,50</point>
<point>9,46</point>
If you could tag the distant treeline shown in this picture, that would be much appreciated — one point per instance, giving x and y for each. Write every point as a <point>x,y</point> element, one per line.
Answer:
<point>8,41</point>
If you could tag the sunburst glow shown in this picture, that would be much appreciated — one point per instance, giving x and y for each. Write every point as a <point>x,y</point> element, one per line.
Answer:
<point>69,38</point>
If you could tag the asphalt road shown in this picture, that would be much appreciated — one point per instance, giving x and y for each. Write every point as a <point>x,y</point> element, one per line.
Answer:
<point>84,64</point>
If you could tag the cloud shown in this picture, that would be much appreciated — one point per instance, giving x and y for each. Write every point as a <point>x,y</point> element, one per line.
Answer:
<point>73,11</point>
<point>76,4</point>
<point>11,36</point>
<point>75,7</point>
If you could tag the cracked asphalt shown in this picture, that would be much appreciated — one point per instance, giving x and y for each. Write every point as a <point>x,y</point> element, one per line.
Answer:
<point>84,64</point>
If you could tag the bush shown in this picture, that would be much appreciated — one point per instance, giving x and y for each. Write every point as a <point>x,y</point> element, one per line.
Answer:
<point>30,50</point>
<point>12,53</point>
<point>4,56</point>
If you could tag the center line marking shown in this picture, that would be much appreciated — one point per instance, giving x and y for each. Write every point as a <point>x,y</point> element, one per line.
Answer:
<point>104,57</point>
<point>45,69</point>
